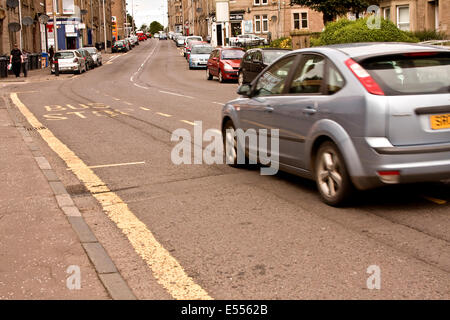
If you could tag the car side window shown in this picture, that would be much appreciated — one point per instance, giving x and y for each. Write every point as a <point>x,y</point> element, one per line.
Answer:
<point>335,80</point>
<point>258,56</point>
<point>309,76</point>
<point>248,56</point>
<point>272,81</point>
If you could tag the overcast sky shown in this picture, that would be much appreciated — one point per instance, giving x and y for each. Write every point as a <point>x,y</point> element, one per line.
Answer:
<point>146,11</point>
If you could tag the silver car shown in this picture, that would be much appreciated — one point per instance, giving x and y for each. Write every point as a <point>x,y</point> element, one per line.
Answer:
<point>96,55</point>
<point>352,116</point>
<point>69,60</point>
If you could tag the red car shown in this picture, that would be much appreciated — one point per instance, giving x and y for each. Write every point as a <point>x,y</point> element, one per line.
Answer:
<point>224,63</point>
<point>142,37</point>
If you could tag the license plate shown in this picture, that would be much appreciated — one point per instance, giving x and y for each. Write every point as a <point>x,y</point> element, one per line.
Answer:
<point>440,121</point>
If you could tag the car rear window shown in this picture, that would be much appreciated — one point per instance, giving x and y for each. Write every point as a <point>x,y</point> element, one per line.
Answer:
<point>232,54</point>
<point>64,55</point>
<point>91,50</point>
<point>411,73</point>
<point>271,55</point>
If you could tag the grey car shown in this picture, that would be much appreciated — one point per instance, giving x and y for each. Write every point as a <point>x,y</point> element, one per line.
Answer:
<point>352,116</point>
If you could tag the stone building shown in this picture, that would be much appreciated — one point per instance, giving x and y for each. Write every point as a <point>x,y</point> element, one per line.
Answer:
<point>119,13</point>
<point>175,14</point>
<point>30,35</point>
<point>418,15</point>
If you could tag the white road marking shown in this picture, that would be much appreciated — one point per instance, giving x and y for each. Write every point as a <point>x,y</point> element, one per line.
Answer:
<point>111,165</point>
<point>139,86</point>
<point>144,108</point>
<point>188,122</point>
<point>176,94</point>
<point>219,103</point>
<point>164,114</point>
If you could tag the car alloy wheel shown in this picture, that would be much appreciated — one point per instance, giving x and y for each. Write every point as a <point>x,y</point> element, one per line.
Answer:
<point>229,137</point>
<point>331,175</point>
<point>208,75</point>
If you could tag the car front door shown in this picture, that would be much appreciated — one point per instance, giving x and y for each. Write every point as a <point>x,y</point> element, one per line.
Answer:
<point>257,64</point>
<point>257,111</point>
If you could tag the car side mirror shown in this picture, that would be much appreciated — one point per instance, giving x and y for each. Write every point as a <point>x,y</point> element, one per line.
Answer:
<point>244,90</point>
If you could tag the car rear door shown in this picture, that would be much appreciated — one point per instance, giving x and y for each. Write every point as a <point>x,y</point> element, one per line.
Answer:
<point>417,89</point>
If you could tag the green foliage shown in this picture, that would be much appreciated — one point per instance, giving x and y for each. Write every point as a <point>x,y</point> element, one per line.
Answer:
<point>426,35</point>
<point>283,43</point>
<point>144,28</point>
<point>155,27</point>
<point>346,31</point>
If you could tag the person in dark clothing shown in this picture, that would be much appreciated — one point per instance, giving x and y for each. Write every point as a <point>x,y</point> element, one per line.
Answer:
<point>16,60</point>
<point>51,53</point>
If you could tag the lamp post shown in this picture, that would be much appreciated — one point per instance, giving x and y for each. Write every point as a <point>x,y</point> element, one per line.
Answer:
<point>104,23</point>
<point>55,27</point>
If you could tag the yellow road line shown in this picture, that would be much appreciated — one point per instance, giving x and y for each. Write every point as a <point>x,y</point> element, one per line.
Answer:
<point>166,269</point>
<point>164,114</point>
<point>130,104</point>
<point>117,99</point>
<point>435,200</point>
<point>144,108</point>
<point>188,122</point>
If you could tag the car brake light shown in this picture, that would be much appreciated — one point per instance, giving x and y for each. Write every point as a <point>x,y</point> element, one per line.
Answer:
<point>364,77</point>
<point>389,177</point>
<point>419,54</point>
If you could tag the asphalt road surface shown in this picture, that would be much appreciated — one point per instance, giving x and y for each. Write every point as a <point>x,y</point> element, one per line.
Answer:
<point>212,231</point>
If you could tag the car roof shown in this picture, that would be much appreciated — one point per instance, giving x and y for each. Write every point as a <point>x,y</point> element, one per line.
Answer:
<point>366,49</point>
<point>230,48</point>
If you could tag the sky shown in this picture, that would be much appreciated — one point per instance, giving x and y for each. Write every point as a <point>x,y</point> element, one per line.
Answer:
<point>146,11</point>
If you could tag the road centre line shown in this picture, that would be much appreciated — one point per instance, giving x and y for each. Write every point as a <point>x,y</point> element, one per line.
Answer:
<point>110,165</point>
<point>144,108</point>
<point>219,103</point>
<point>164,114</point>
<point>176,94</point>
<point>165,268</point>
<point>189,122</point>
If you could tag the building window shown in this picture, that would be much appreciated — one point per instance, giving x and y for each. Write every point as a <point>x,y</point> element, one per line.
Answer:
<point>403,18</point>
<point>257,24</point>
<point>387,13</point>
<point>256,2</point>
<point>265,24</point>
<point>264,2</point>
<point>301,20</point>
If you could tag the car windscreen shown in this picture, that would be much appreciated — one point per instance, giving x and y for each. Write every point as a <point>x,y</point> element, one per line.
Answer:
<point>411,73</point>
<point>270,56</point>
<point>201,50</point>
<point>232,54</point>
<point>118,43</point>
<point>64,55</point>
<point>91,50</point>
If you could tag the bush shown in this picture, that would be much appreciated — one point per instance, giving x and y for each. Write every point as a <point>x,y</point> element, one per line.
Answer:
<point>283,43</point>
<point>346,31</point>
<point>427,35</point>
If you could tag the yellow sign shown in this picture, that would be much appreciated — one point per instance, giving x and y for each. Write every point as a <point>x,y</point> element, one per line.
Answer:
<point>441,121</point>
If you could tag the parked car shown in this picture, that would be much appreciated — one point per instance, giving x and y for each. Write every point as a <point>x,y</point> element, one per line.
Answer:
<point>96,55</point>
<point>149,35</point>
<point>248,40</point>
<point>142,37</point>
<point>255,61</point>
<point>224,63</point>
<point>135,39</point>
<point>90,64</point>
<point>121,46</point>
<point>186,43</point>
<point>189,46</point>
<point>353,115</point>
<point>156,35</point>
<point>199,55</point>
<point>69,60</point>
<point>162,36</point>
<point>180,41</point>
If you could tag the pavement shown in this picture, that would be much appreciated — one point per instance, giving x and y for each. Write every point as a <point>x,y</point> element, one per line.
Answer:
<point>211,231</point>
<point>47,250</point>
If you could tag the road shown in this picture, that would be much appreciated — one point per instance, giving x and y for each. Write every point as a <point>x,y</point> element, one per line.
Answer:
<point>212,231</point>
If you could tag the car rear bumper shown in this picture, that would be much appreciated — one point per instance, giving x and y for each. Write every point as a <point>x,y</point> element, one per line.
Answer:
<point>423,163</point>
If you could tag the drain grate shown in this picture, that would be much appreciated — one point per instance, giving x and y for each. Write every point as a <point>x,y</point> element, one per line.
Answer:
<point>36,128</point>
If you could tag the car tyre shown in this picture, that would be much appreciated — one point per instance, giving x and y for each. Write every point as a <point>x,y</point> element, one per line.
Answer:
<point>209,76</point>
<point>331,175</point>
<point>228,134</point>
<point>220,77</point>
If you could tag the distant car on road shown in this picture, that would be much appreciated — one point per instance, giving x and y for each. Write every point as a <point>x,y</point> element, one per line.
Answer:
<point>69,60</point>
<point>96,55</point>
<point>162,36</point>
<point>199,55</point>
<point>224,63</point>
<point>256,60</point>
<point>187,42</point>
<point>121,46</point>
<point>352,116</point>
<point>180,41</point>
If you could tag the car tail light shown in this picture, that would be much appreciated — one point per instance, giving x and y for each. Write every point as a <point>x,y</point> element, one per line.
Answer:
<point>364,77</point>
<point>389,177</point>
<point>419,54</point>
<point>75,60</point>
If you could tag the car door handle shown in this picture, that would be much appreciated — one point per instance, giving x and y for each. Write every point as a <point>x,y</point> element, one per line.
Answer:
<point>310,110</point>
<point>268,109</point>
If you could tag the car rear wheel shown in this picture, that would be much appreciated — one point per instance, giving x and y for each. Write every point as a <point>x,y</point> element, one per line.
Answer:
<point>331,175</point>
<point>208,74</point>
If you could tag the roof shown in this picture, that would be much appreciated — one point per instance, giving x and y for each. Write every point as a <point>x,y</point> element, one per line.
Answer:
<point>379,48</point>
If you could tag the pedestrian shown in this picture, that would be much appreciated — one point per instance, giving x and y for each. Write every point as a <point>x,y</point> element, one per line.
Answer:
<point>51,53</point>
<point>16,59</point>
<point>25,63</point>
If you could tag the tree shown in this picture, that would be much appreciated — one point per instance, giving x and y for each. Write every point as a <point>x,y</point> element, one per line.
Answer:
<point>155,27</point>
<point>131,22</point>
<point>144,27</point>
<point>334,8</point>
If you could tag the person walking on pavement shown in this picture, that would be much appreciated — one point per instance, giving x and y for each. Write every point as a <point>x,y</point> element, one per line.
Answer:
<point>25,63</point>
<point>51,53</point>
<point>16,59</point>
